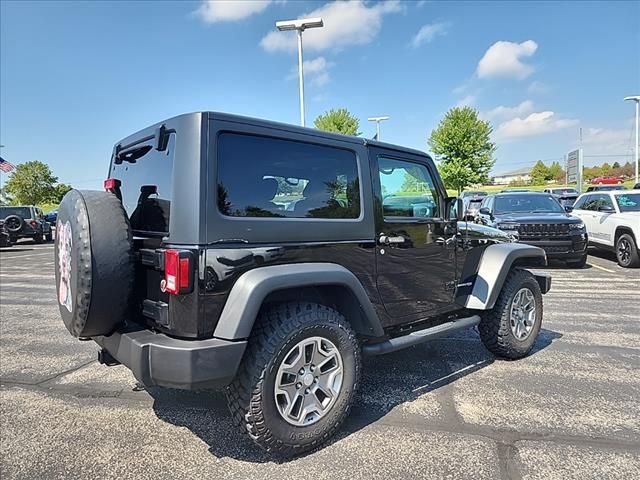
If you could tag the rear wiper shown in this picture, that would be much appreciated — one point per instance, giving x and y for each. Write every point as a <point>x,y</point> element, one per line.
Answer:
<point>132,155</point>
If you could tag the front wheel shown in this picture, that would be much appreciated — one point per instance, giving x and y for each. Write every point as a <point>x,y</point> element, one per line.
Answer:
<point>48,237</point>
<point>627,251</point>
<point>510,328</point>
<point>297,380</point>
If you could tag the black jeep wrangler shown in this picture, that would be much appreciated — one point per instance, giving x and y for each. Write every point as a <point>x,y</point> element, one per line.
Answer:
<point>25,222</point>
<point>266,258</point>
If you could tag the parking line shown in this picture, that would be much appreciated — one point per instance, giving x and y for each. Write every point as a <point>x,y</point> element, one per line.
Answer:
<point>25,255</point>
<point>602,268</point>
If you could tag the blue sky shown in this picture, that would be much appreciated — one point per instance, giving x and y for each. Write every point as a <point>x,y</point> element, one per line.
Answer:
<point>77,76</point>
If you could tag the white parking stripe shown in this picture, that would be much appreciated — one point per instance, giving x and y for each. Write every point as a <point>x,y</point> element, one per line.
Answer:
<point>602,268</point>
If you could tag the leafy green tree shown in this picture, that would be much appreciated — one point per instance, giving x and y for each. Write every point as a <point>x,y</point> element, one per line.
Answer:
<point>409,183</point>
<point>338,121</point>
<point>615,166</point>
<point>31,183</point>
<point>539,173</point>
<point>605,168</point>
<point>59,190</point>
<point>463,146</point>
<point>556,172</point>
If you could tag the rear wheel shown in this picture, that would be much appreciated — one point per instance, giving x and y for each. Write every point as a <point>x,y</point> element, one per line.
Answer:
<point>627,251</point>
<point>298,379</point>
<point>509,330</point>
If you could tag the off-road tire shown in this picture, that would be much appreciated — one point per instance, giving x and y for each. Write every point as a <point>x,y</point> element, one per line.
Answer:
<point>251,395</point>
<point>48,237</point>
<point>581,263</point>
<point>634,257</point>
<point>495,330</point>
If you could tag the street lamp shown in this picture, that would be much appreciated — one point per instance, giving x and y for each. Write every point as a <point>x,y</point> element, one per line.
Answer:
<point>636,98</point>
<point>378,120</point>
<point>300,25</point>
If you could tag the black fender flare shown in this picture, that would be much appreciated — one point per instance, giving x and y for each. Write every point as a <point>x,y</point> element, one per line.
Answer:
<point>485,271</point>
<point>250,290</point>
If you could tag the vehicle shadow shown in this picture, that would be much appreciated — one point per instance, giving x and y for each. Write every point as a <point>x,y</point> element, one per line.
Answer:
<point>608,255</point>
<point>387,382</point>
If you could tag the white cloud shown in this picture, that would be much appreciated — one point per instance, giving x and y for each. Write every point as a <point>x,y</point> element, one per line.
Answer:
<point>504,59</point>
<point>428,32</point>
<point>316,71</point>
<point>468,101</point>
<point>213,11</point>
<point>534,124</point>
<point>501,113</point>
<point>607,141</point>
<point>421,3</point>
<point>345,23</point>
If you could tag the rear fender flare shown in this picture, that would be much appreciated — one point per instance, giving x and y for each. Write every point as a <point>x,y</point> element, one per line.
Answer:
<point>250,290</point>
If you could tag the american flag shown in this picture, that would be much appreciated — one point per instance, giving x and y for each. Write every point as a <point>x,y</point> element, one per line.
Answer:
<point>5,166</point>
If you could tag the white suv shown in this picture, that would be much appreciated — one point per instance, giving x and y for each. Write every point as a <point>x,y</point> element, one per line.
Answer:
<point>613,222</point>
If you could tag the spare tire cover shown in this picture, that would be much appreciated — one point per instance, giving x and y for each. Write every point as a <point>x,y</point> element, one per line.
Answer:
<point>94,262</point>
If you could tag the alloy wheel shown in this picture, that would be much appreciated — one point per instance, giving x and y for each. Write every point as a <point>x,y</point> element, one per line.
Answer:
<point>522,315</point>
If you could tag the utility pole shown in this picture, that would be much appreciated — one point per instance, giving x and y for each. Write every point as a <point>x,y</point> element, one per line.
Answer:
<point>636,158</point>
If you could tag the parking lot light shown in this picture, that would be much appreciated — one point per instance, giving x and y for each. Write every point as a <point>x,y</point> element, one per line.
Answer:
<point>636,159</point>
<point>300,25</point>
<point>378,120</point>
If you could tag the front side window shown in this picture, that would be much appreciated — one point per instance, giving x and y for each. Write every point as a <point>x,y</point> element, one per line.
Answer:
<point>269,177</point>
<point>408,190</point>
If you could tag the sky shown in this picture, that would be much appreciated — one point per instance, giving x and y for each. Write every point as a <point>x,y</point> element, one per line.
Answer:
<point>75,77</point>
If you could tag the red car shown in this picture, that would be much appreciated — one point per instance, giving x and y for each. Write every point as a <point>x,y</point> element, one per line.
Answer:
<point>607,180</point>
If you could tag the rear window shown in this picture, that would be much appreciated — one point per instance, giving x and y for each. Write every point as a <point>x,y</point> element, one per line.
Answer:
<point>269,177</point>
<point>146,186</point>
<point>24,212</point>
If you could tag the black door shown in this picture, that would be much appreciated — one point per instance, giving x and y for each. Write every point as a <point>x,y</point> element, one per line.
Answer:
<point>416,255</point>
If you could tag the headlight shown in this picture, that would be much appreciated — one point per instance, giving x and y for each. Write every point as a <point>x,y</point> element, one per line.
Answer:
<point>508,226</point>
<point>576,226</point>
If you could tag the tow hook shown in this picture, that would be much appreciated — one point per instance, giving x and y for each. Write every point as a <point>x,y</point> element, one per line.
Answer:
<point>105,358</point>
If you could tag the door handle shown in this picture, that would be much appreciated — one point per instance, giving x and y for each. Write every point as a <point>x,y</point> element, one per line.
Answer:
<point>390,239</point>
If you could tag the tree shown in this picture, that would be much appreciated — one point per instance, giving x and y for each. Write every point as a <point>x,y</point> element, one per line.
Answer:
<point>539,173</point>
<point>556,172</point>
<point>31,183</point>
<point>338,121</point>
<point>462,144</point>
<point>605,168</point>
<point>59,190</point>
<point>615,166</point>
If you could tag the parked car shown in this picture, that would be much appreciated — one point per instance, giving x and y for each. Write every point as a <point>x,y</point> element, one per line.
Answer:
<point>539,220</point>
<point>613,222</point>
<point>636,186</point>
<point>5,239</point>
<point>565,195</point>
<point>605,188</point>
<point>515,190</point>
<point>471,206</point>
<point>51,217</point>
<point>285,334</point>
<point>25,222</point>
<point>605,180</point>
<point>475,194</point>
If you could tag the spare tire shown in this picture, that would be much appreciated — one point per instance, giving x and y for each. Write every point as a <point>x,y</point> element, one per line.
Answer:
<point>94,262</point>
<point>13,223</point>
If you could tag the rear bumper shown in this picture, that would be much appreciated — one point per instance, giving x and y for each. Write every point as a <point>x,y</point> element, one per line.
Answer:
<point>157,359</point>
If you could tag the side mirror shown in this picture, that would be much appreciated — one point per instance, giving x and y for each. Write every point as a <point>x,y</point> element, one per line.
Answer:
<point>606,209</point>
<point>455,208</point>
<point>568,208</point>
<point>485,211</point>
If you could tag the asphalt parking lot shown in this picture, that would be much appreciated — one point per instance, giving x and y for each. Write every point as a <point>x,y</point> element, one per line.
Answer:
<point>446,409</point>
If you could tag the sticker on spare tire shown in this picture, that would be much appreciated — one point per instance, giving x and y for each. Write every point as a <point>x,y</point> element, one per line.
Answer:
<point>64,264</point>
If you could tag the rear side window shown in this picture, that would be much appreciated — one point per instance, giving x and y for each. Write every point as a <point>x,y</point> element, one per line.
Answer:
<point>269,177</point>
<point>147,186</point>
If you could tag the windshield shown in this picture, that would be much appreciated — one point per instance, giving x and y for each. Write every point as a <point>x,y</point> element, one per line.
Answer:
<point>20,211</point>
<point>628,202</point>
<point>527,204</point>
<point>474,204</point>
<point>562,191</point>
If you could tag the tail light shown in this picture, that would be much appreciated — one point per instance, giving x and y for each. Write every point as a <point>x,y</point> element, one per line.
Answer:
<point>112,184</point>
<point>178,272</point>
<point>34,224</point>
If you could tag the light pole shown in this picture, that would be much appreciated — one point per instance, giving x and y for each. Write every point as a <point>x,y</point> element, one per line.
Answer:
<point>636,99</point>
<point>378,120</point>
<point>300,25</point>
